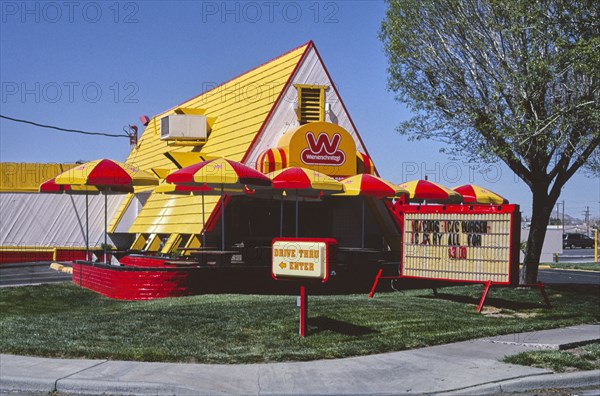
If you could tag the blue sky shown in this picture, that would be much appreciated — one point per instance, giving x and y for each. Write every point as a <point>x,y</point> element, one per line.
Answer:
<point>98,66</point>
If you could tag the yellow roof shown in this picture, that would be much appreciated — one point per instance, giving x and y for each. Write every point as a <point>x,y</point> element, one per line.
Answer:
<point>240,108</point>
<point>27,177</point>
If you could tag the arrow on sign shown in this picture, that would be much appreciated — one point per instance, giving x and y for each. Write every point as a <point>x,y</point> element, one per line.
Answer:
<point>282,265</point>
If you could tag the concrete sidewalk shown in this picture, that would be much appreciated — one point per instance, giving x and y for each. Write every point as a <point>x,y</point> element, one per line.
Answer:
<point>471,367</point>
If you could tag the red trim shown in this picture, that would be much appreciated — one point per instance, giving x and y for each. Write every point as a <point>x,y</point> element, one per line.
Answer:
<point>22,256</point>
<point>284,161</point>
<point>308,45</point>
<point>143,261</point>
<point>132,283</point>
<point>344,106</point>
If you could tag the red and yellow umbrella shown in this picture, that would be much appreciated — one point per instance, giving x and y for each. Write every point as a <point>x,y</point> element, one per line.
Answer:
<point>476,194</point>
<point>303,182</point>
<point>107,176</point>
<point>51,187</point>
<point>370,186</point>
<point>219,172</point>
<point>425,190</point>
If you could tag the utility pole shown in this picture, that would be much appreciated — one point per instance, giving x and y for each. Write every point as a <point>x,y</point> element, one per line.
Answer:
<point>586,215</point>
<point>563,217</point>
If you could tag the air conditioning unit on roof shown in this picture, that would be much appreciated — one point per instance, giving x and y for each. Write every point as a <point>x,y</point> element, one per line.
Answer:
<point>183,127</point>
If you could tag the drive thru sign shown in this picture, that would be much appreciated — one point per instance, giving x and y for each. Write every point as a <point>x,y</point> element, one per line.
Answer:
<point>301,258</point>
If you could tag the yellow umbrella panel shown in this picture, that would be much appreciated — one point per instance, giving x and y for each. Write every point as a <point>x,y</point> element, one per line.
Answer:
<point>476,194</point>
<point>425,190</point>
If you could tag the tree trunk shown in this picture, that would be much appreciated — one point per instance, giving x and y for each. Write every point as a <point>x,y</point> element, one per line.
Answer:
<point>541,210</point>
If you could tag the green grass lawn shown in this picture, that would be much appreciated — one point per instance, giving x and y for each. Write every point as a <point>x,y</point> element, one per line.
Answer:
<point>584,358</point>
<point>62,320</point>
<point>580,266</point>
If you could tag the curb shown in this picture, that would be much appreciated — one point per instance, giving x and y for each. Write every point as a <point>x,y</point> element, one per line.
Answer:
<point>92,387</point>
<point>578,379</point>
<point>61,268</point>
<point>520,384</point>
<point>11,384</point>
<point>574,269</point>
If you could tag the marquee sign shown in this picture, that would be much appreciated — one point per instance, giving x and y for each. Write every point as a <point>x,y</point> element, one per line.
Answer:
<point>321,146</point>
<point>467,243</point>
<point>301,258</point>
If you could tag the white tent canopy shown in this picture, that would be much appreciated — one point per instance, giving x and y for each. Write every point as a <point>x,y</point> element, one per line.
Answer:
<point>50,220</point>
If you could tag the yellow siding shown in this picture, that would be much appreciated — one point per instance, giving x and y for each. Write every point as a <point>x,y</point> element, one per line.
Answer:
<point>240,107</point>
<point>27,177</point>
<point>165,214</point>
<point>120,212</point>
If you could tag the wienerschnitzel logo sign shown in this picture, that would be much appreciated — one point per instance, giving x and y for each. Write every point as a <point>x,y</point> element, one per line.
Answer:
<point>323,150</point>
<point>322,146</point>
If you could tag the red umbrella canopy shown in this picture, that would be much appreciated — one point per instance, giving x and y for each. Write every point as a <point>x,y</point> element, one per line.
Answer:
<point>425,190</point>
<point>50,186</point>
<point>476,194</point>
<point>297,178</point>
<point>218,172</point>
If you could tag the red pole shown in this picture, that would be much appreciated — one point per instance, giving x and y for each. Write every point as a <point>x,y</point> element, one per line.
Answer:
<point>484,295</point>
<point>303,310</point>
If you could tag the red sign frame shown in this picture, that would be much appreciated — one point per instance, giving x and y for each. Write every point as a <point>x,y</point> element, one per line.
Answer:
<point>512,270</point>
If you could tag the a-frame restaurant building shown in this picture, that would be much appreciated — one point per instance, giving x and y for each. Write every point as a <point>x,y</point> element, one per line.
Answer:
<point>286,112</point>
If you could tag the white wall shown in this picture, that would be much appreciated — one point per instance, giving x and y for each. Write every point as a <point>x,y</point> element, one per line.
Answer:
<point>284,118</point>
<point>552,244</point>
<point>48,220</point>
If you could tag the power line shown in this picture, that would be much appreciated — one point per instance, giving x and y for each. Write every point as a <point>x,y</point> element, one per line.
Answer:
<point>63,129</point>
